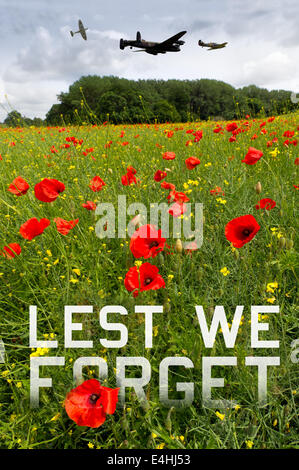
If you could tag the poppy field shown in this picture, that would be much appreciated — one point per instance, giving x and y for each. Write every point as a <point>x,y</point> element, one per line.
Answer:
<point>244,173</point>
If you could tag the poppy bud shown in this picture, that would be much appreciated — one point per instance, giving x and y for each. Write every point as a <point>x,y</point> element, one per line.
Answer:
<point>110,170</point>
<point>281,213</point>
<point>145,405</point>
<point>168,419</point>
<point>258,188</point>
<point>282,243</point>
<point>124,423</point>
<point>178,246</point>
<point>166,307</point>
<point>289,244</point>
<point>236,254</point>
<point>161,259</point>
<point>199,274</point>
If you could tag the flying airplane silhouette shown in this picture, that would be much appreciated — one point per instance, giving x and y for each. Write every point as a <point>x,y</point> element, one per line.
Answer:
<point>169,45</point>
<point>81,30</point>
<point>212,45</point>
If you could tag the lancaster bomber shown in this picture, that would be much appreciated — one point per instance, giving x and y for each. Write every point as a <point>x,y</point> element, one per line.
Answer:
<point>81,30</point>
<point>169,45</point>
<point>212,45</point>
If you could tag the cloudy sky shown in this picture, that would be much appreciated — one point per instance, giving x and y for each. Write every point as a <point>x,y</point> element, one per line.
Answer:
<point>39,58</point>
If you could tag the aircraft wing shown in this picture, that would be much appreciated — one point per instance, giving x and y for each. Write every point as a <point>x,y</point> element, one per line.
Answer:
<point>82,30</point>
<point>168,42</point>
<point>83,34</point>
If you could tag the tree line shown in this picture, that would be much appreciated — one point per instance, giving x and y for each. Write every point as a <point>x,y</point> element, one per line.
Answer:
<point>94,99</point>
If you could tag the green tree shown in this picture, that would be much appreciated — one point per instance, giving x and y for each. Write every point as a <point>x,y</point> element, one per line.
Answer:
<point>14,119</point>
<point>165,112</point>
<point>112,104</point>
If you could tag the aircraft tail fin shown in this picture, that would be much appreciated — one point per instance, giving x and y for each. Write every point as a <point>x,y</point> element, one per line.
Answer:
<point>72,34</point>
<point>138,36</point>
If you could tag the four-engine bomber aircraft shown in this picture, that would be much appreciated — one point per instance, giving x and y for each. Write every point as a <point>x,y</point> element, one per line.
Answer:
<point>212,45</point>
<point>169,45</point>
<point>81,30</point>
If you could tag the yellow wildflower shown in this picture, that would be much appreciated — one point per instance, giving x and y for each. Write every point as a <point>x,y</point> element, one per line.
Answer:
<point>220,415</point>
<point>249,444</point>
<point>224,271</point>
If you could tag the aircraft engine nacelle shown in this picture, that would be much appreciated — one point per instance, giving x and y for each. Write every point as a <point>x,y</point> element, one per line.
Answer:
<point>122,44</point>
<point>180,42</point>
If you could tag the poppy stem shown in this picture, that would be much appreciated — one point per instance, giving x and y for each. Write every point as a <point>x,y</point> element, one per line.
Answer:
<point>8,205</point>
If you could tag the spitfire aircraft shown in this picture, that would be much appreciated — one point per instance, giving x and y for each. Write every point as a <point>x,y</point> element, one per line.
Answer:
<point>81,30</point>
<point>169,45</point>
<point>211,45</point>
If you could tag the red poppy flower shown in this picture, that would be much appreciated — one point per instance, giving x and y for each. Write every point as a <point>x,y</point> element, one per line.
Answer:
<point>128,178</point>
<point>217,130</point>
<point>165,185</point>
<point>241,230</point>
<point>192,162</point>
<point>32,228</point>
<point>131,170</point>
<point>231,126</point>
<point>176,209</point>
<point>297,161</point>
<point>217,191</point>
<point>89,205</point>
<point>252,156</point>
<point>48,190</point>
<point>288,133</point>
<point>197,135</point>
<point>147,277</point>
<point>96,184</point>
<point>266,203</point>
<point>169,155</point>
<point>64,226</point>
<point>191,246</point>
<point>18,187</point>
<point>160,175</point>
<point>290,142</point>
<point>147,242</point>
<point>89,403</point>
<point>177,196</point>
<point>11,250</point>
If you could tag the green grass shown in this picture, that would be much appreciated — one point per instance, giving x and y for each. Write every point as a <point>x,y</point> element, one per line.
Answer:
<point>37,278</point>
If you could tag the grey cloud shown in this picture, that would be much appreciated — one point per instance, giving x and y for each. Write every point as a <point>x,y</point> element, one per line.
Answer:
<point>200,25</point>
